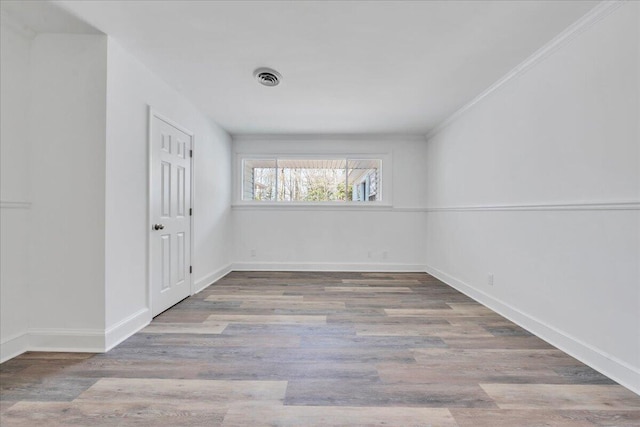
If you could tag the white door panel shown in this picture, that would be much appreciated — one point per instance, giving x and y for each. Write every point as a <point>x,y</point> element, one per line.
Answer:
<point>170,222</point>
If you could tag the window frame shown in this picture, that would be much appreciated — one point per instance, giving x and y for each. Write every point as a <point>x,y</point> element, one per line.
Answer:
<point>385,177</point>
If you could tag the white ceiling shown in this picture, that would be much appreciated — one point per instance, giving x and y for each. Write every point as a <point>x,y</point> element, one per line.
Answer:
<point>348,66</point>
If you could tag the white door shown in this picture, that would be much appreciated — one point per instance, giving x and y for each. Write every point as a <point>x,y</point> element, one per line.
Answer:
<point>170,242</point>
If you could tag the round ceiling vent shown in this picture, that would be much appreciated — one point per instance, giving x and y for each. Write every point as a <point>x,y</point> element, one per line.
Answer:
<point>267,76</point>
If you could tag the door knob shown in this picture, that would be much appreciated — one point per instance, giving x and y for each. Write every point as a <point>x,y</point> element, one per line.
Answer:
<point>158,226</point>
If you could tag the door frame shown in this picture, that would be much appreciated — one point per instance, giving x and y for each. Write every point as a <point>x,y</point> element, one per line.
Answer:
<point>153,113</point>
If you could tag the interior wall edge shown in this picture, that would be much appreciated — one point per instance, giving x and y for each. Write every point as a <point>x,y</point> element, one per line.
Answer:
<point>609,365</point>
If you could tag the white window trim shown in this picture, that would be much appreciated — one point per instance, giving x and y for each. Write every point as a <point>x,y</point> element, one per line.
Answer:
<point>386,178</point>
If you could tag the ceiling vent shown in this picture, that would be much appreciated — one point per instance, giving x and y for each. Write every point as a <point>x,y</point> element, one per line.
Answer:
<point>267,76</point>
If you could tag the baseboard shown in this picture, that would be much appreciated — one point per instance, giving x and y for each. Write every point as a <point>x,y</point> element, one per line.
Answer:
<point>326,266</point>
<point>122,330</point>
<point>74,340</point>
<point>14,346</point>
<point>207,280</point>
<point>618,370</point>
<point>71,340</point>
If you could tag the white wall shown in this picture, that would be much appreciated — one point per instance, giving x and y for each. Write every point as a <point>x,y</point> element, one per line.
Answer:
<point>74,190</point>
<point>563,135</point>
<point>336,238</point>
<point>15,185</point>
<point>67,123</point>
<point>564,132</point>
<point>131,89</point>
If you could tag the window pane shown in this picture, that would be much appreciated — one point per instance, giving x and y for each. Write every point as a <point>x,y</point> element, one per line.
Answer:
<point>364,180</point>
<point>259,180</point>
<point>311,180</point>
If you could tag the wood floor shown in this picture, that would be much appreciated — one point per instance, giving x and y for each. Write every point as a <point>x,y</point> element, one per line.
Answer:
<point>307,349</point>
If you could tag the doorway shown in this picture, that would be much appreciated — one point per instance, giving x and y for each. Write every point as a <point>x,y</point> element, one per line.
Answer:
<point>170,182</point>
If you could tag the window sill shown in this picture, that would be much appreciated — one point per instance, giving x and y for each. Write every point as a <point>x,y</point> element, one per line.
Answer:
<point>320,206</point>
<point>323,206</point>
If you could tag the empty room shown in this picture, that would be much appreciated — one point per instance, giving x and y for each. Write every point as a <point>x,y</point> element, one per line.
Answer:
<point>320,213</point>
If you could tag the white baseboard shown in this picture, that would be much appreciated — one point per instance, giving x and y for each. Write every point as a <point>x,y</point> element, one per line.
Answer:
<point>207,280</point>
<point>71,340</point>
<point>14,346</point>
<point>74,340</point>
<point>326,266</point>
<point>618,370</point>
<point>122,330</point>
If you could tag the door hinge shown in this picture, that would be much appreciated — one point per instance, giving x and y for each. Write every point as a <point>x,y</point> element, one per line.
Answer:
<point>190,269</point>
<point>190,211</point>
<point>190,153</point>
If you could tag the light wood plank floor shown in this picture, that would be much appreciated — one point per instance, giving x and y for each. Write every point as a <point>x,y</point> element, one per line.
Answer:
<point>307,349</point>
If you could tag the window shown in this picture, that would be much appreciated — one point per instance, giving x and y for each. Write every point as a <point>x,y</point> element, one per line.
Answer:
<point>311,180</point>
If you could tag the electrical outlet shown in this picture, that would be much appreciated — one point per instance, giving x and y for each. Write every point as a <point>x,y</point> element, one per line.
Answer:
<point>369,254</point>
<point>385,254</point>
<point>490,280</point>
<point>253,253</point>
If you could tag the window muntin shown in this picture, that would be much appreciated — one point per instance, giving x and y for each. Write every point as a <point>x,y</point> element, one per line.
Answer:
<point>311,180</point>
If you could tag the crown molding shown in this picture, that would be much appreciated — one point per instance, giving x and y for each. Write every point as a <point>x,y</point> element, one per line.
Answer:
<point>602,10</point>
